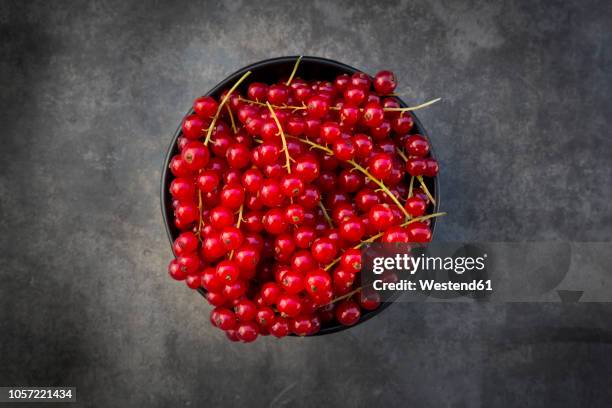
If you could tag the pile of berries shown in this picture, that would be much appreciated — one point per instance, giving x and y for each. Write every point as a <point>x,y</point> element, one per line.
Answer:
<point>276,189</point>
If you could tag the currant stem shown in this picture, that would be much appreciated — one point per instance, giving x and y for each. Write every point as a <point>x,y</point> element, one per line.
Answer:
<point>346,296</point>
<point>364,171</point>
<point>401,154</point>
<point>231,115</point>
<point>295,67</point>
<point>231,255</point>
<point>381,185</point>
<point>294,108</point>
<point>223,102</point>
<point>426,189</point>
<point>282,135</point>
<point>326,215</point>
<point>411,186</point>
<point>200,212</point>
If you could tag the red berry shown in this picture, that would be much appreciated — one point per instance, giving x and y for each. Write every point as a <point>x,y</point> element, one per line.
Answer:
<point>258,91</point>
<point>373,115</point>
<point>303,261</point>
<point>205,107</point>
<point>245,310</point>
<point>227,271</point>
<point>352,229</point>
<point>223,318</point>
<point>193,127</point>
<point>288,304</point>
<point>324,250</point>
<point>318,281</point>
<point>418,232</point>
<point>380,165</point>
<point>247,332</point>
<point>384,82</point>
<point>280,327</point>
<point>185,243</point>
<point>175,271</point>
<point>195,155</point>
<point>317,107</point>
<point>347,313</point>
<point>416,206</point>
<point>182,189</point>
<point>351,260</point>
<point>417,145</point>
<point>344,149</point>
<point>208,181</point>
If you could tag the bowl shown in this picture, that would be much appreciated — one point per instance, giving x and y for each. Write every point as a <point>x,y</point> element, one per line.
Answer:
<point>269,71</point>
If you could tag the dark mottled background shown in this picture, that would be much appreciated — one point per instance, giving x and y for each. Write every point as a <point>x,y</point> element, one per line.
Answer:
<point>90,95</point>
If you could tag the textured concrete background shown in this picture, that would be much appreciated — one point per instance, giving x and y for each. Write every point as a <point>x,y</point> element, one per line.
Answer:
<point>92,91</point>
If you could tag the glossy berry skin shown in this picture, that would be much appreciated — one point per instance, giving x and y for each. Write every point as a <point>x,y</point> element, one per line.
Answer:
<point>280,327</point>
<point>238,156</point>
<point>380,165</point>
<point>324,250</point>
<point>330,132</point>
<point>270,291</point>
<point>347,313</point>
<point>185,243</point>
<point>417,146</point>
<point>258,91</point>
<point>205,107</point>
<point>431,168</point>
<point>292,282</point>
<point>303,261</point>
<point>278,94</point>
<point>294,214</point>
<point>416,206</point>
<point>402,124</point>
<point>232,196</point>
<point>274,221</point>
<point>228,271</point>
<point>354,96</point>
<point>344,149</point>
<point>361,80</point>
<point>418,232</point>
<point>416,166</point>
<point>351,260</point>
<point>292,186</point>
<point>289,305</point>
<point>369,299</point>
<point>265,316</point>
<point>182,189</point>
<point>245,310</point>
<point>373,115</point>
<point>317,281</point>
<point>193,127</point>
<point>247,332</point>
<point>352,230</point>
<point>381,216</point>
<point>223,318</point>
<point>175,271</point>
<point>317,107</point>
<point>306,167</point>
<point>195,155</point>
<point>208,181</point>
<point>384,82</point>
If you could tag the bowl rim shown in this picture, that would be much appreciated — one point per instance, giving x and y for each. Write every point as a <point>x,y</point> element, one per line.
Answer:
<point>228,82</point>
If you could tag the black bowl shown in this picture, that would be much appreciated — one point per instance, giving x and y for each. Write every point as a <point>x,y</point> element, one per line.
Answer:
<point>270,71</point>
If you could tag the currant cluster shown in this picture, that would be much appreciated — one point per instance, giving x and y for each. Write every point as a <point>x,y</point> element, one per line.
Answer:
<point>276,189</point>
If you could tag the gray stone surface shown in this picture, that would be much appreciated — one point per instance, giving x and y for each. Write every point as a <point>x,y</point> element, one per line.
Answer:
<point>90,94</point>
